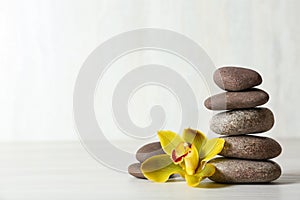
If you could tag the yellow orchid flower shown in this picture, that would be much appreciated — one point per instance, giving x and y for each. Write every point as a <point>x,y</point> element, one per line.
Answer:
<point>187,155</point>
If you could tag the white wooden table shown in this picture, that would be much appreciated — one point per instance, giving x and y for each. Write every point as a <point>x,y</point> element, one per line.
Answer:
<point>64,170</point>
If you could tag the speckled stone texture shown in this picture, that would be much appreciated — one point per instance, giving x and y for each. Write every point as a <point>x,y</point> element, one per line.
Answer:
<point>237,100</point>
<point>244,171</point>
<point>135,170</point>
<point>250,147</point>
<point>148,151</point>
<point>236,78</point>
<point>244,121</point>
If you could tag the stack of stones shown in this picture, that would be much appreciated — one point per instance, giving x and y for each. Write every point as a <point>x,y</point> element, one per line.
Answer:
<point>245,157</point>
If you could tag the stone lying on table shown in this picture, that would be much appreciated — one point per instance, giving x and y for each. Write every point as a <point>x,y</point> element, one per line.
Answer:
<point>250,147</point>
<point>244,171</point>
<point>148,151</point>
<point>244,121</point>
<point>237,100</point>
<point>236,78</point>
<point>135,170</point>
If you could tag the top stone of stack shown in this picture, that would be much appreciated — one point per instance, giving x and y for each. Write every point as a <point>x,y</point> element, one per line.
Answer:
<point>236,78</point>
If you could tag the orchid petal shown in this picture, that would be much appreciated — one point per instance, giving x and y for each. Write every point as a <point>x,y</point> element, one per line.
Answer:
<point>207,171</point>
<point>191,161</point>
<point>212,148</point>
<point>192,181</point>
<point>159,168</point>
<point>169,141</point>
<point>194,137</point>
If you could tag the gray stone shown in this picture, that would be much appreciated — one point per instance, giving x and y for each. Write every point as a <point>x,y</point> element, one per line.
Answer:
<point>236,78</point>
<point>244,171</point>
<point>237,100</point>
<point>244,121</point>
<point>148,151</point>
<point>250,147</point>
<point>135,170</point>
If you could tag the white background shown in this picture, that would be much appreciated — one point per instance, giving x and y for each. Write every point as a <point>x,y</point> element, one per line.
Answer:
<point>44,43</point>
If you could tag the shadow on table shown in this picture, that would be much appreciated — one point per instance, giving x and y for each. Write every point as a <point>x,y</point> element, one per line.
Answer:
<point>208,185</point>
<point>212,185</point>
<point>286,179</point>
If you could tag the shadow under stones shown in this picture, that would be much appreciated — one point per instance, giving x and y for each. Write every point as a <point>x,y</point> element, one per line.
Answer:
<point>206,184</point>
<point>286,179</point>
<point>176,178</point>
<point>212,185</point>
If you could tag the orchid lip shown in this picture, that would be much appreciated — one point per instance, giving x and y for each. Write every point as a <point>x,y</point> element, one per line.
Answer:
<point>187,146</point>
<point>178,159</point>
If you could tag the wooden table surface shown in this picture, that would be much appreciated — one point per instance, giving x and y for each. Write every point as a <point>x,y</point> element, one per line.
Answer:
<point>64,170</point>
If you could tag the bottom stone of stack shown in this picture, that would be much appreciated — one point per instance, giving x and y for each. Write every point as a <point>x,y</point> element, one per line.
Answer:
<point>135,170</point>
<point>244,171</point>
